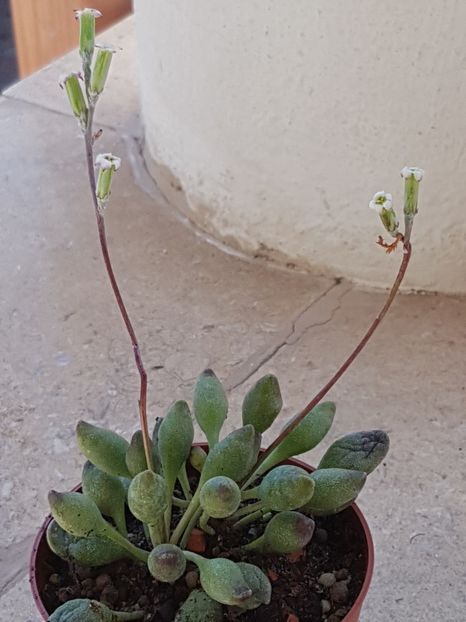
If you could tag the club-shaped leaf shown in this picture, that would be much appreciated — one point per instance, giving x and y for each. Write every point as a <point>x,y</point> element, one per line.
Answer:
<point>96,551</point>
<point>91,551</point>
<point>166,563</point>
<point>148,497</point>
<point>135,454</point>
<point>199,607</point>
<point>233,456</point>
<point>304,437</point>
<point>104,448</point>
<point>259,584</point>
<point>59,540</point>
<point>286,532</point>
<point>108,493</point>
<point>210,405</point>
<point>334,489</point>
<point>263,403</point>
<point>285,488</point>
<point>359,451</point>
<point>197,458</point>
<point>85,610</point>
<point>221,579</point>
<point>175,439</point>
<point>76,513</point>
<point>220,497</point>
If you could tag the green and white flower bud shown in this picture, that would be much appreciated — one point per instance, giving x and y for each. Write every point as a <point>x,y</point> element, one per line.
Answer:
<point>101,69</point>
<point>382,204</point>
<point>412,176</point>
<point>86,18</point>
<point>107,165</point>
<point>75,95</point>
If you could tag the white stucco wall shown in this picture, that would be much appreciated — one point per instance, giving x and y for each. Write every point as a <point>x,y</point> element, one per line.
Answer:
<point>272,123</point>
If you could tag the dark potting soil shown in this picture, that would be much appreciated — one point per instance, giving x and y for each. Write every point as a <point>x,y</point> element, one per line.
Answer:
<point>336,551</point>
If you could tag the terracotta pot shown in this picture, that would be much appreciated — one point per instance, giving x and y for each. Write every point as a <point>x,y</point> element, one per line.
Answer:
<point>43,560</point>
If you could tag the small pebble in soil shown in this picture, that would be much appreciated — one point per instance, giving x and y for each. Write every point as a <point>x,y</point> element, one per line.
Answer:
<point>54,579</point>
<point>102,581</point>
<point>83,572</point>
<point>191,578</point>
<point>333,618</point>
<point>321,536</point>
<point>342,574</point>
<point>339,592</point>
<point>87,584</point>
<point>341,612</point>
<point>327,579</point>
<point>109,595</point>
<point>326,606</point>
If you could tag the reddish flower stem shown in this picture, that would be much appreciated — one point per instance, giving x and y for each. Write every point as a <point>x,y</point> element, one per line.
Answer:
<point>88,139</point>
<point>339,373</point>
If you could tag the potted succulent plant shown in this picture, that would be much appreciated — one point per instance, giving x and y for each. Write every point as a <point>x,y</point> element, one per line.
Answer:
<point>164,529</point>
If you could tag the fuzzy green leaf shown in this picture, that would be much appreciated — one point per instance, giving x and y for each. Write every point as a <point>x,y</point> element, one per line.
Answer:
<point>210,405</point>
<point>263,403</point>
<point>259,584</point>
<point>135,455</point>
<point>104,448</point>
<point>166,563</point>
<point>199,607</point>
<point>286,532</point>
<point>107,492</point>
<point>359,451</point>
<point>175,438</point>
<point>233,456</point>
<point>76,513</point>
<point>220,497</point>
<point>304,437</point>
<point>148,497</point>
<point>85,610</point>
<point>286,487</point>
<point>334,490</point>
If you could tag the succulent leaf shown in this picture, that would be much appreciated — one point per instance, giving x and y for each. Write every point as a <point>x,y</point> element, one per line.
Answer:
<point>285,488</point>
<point>259,584</point>
<point>175,438</point>
<point>220,497</point>
<point>197,458</point>
<point>286,532</point>
<point>135,455</point>
<point>96,551</point>
<point>233,456</point>
<point>107,492</point>
<point>334,489</point>
<point>104,448</point>
<point>148,497</point>
<point>262,403</point>
<point>59,540</point>
<point>199,607</point>
<point>76,513</point>
<point>91,551</point>
<point>85,610</point>
<point>304,437</point>
<point>210,405</point>
<point>221,579</point>
<point>358,451</point>
<point>155,445</point>
<point>166,563</point>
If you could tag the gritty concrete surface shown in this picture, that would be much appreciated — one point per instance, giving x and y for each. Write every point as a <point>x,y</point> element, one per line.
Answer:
<point>65,355</point>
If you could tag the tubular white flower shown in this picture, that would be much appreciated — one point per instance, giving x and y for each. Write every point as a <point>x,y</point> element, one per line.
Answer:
<point>381,200</point>
<point>412,171</point>
<point>94,12</point>
<point>107,161</point>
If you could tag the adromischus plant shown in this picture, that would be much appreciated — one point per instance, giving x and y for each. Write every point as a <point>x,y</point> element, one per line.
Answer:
<point>235,482</point>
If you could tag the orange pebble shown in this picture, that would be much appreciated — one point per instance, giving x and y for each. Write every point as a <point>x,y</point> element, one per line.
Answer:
<point>292,618</point>
<point>273,576</point>
<point>296,556</point>
<point>196,541</point>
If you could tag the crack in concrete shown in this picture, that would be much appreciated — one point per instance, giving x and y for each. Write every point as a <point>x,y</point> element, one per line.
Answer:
<point>14,563</point>
<point>290,335</point>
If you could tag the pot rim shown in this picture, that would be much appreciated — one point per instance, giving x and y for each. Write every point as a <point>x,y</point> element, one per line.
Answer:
<point>355,609</point>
